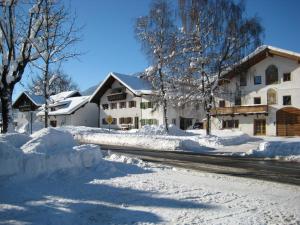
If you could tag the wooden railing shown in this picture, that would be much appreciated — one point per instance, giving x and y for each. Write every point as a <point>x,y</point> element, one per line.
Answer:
<point>253,109</point>
<point>117,96</point>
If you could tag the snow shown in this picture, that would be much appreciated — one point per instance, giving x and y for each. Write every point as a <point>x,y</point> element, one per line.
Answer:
<point>47,178</point>
<point>286,149</point>
<point>124,190</point>
<point>46,151</point>
<point>156,138</point>
<point>25,127</point>
<point>70,105</point>
<point>225,142</point>
<point>62,95</point>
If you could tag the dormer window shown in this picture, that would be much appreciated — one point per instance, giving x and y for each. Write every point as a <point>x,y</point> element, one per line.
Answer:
<point>271,75</point>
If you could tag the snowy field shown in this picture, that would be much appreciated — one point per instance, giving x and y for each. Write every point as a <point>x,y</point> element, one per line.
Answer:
<point>219,142</point>
<point>51,180</point>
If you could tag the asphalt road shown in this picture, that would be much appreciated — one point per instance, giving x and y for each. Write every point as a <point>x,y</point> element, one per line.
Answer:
<point>269,170</point>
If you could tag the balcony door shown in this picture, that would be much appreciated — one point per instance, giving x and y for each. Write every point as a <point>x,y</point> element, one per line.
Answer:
<point>259,127</point>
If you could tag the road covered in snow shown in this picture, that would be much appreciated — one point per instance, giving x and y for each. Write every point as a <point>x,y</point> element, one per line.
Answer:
<point>50,179</point>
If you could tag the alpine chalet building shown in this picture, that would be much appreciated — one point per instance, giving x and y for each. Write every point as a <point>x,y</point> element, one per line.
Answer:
<point>263,99</point>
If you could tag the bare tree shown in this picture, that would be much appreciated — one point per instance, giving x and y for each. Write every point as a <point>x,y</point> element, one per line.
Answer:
<point>19,28</point>
<point>58,82</point>
<point>216,35</point>
<point>55,47</point>
<point>157,34</point>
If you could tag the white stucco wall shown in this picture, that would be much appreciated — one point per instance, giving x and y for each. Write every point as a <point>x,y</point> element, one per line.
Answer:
<point>84,116</point>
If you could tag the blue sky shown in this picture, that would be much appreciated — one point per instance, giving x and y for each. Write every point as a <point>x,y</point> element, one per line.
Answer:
<point>109,43</point>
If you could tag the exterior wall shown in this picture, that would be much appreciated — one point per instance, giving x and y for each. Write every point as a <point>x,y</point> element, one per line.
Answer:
<point>149,113</point>
<point>250,91</point>
<point>84,116</point>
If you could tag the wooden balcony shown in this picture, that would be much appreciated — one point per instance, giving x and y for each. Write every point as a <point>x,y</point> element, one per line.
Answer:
<point>240,110</point>
<point>117,96</point>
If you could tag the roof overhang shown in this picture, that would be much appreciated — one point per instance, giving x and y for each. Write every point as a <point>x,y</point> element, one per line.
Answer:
<point>106,84</point>
<point>257,56</point>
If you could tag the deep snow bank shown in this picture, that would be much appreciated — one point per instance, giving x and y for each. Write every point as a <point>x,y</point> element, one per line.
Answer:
<point>49,150</point>
<point>156,138</point>
<point>287,150</point>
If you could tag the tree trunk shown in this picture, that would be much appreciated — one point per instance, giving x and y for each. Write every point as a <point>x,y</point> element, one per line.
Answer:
<point>46,93</point>
<point>162,89</point>
<point>7,112</point>
<point>208,126</point>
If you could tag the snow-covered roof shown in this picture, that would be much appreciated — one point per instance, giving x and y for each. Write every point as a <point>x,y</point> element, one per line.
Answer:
<point>135,84</point>
<point>63,95</point>
<point>37,100</point>
<point>67,106</point>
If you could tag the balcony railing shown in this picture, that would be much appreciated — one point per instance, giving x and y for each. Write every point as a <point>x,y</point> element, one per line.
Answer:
<point>238,110</point>
<point>116,97</point>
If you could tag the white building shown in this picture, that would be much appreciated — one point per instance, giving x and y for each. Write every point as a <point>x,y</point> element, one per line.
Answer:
<point>264,100</point>
<point>70,108</point>
<point>128,100</point>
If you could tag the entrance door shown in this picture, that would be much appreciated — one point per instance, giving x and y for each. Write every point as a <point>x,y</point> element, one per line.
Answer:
<point>136,122</point>
<point>185,123</point>
<point>259,127</point>
<point>288,121</point>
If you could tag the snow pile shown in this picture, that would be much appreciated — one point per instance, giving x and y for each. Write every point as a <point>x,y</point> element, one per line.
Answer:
<point>11,156</point>
<point>126,159</point>
<point>14,139</point>
<point>287,150</point>
<point>25,127</point>
<point>154,142</point>
<point>48,141</point>
<point>160,130</point>
<point>47,151</point>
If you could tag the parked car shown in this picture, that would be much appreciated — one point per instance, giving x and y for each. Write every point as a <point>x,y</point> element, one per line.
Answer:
<point>198,125</point>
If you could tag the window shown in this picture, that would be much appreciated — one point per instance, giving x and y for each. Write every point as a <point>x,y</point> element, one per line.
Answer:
<point>146,105</point>
<point>286,76</point>
<point>222,103</point>
<point>257,80</point>
<point>104,122</point>
<point>148,122</point>
<point>237,100</point>
<point>229,124</point>
<point>125,120</point>
<point>271,75</point>
<point>287,100</point>
<point>122,105</point>
<point>174,121</point>
<point>114,121</point>
<point>105,106</point>
<point>113,105</point>
<point>257,100</point>
<point>271,97</point>
<point>132,104</point>
<point>243,79</point>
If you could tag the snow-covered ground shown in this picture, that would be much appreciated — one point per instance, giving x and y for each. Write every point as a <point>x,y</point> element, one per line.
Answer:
<point>219,142</point>
<point>50,179</point>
